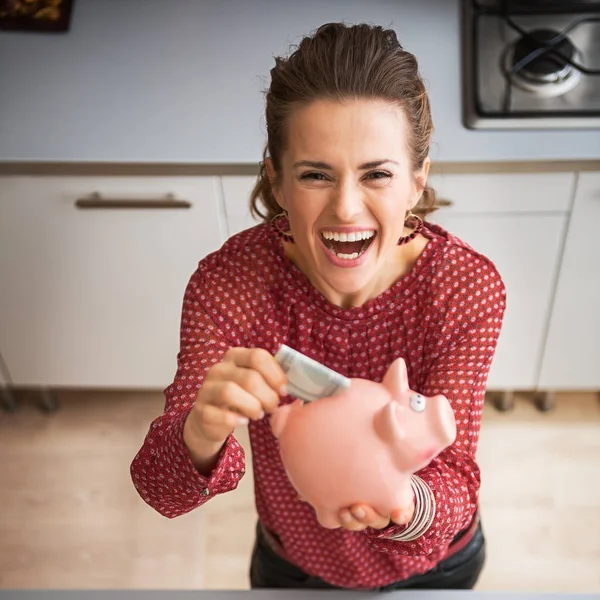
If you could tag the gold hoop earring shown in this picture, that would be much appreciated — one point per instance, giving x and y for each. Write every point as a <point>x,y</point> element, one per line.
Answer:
<point>416,230</point>
<point>281,224</point>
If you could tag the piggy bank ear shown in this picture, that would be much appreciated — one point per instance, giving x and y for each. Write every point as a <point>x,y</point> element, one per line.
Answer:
<point>396,378</point>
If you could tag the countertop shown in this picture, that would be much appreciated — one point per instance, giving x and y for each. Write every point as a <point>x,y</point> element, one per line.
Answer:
<point>182,81</point>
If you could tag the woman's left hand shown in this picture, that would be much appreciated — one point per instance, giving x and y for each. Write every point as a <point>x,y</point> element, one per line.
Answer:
<point>360,516</point>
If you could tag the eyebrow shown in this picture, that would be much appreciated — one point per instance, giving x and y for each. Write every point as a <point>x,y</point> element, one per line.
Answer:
<point>325,167</point>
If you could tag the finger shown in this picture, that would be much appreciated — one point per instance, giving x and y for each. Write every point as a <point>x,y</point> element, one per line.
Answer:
<point>216,417</point>
<point>369,516</point>
<point>262,361</point>
<point>230,396</point>
<point>213,423</point>
<point>403,516</point>
<point>349,522</point>
<point>255,384</point>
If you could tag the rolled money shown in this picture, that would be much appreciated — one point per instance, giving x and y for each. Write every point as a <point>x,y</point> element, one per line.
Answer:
<point>308,379</point>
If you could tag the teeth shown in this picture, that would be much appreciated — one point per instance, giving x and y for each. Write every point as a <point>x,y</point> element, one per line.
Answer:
<point>355,236</point>
<point>347,256</point>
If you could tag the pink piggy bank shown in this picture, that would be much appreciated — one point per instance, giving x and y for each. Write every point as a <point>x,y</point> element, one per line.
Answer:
<point>361,445</point>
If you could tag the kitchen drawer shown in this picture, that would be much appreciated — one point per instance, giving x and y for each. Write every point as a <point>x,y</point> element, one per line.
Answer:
<point>504,193</point>
<point>91,297</point>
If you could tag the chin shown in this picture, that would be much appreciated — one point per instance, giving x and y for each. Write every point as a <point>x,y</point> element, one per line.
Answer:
<point>348,286</point>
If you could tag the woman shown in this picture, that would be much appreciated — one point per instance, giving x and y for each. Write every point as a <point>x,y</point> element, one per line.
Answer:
<point>344,270</point>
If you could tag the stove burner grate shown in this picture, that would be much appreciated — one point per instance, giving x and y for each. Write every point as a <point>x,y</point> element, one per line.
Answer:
<point>544,62</point>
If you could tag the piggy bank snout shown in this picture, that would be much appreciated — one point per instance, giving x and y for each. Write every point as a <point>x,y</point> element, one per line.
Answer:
<point>430,430</point>
<point>443,420</point>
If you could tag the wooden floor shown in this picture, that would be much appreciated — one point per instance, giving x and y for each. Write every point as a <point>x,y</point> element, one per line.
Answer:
<point>70,518</point>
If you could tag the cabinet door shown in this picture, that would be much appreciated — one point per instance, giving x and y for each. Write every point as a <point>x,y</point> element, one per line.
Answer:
<point>525,250</point>
<point>572,354</point>
<point>236,194</point>
<point>92,298</point>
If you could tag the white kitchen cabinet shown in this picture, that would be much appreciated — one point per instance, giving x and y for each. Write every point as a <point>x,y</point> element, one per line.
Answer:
<point>92,297</point>
<point>236,196</point>
<point>572,354</point>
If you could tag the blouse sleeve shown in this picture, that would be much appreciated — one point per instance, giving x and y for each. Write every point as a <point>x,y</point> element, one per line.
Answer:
<point>162,471</point>
<point>471,327</point>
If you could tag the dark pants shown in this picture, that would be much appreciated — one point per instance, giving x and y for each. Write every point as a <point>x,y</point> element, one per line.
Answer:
<point>459,571</point>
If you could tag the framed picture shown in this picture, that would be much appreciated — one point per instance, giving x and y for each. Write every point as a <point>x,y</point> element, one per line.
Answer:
<point>36,15</point>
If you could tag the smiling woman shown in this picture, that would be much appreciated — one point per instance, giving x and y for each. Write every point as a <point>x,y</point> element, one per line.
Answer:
<point>345,269</point>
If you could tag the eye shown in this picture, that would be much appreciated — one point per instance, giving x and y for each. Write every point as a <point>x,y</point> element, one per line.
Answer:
<point>378,177</point>
<point>378,174</point>
<point>418,402</point>
<point>314,175</point>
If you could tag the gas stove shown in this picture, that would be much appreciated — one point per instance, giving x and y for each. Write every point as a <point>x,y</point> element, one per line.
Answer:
<point>531,64</point>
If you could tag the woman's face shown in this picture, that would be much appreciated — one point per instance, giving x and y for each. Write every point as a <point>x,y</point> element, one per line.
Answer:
<point>346,183</point>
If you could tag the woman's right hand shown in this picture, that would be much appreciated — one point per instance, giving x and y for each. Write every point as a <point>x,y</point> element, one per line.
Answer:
<point>245,385</point>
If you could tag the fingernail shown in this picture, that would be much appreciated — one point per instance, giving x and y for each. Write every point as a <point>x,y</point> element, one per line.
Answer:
<point>243,421</point>
<point>283,390</point>
<point>359,513</point>
<point>261,414</point>
<point>346,517</point>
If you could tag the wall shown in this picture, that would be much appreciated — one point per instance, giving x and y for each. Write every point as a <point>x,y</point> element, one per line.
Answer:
<point>181,81</point>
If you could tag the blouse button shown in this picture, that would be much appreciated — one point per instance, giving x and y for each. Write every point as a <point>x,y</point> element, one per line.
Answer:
<point>205,492</point>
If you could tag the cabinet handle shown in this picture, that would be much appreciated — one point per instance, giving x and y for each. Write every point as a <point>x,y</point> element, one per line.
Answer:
<point>95,201</point>
<point>444,202</point>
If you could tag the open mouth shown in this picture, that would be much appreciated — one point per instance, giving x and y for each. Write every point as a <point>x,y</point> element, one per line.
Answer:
<point>348,246</point>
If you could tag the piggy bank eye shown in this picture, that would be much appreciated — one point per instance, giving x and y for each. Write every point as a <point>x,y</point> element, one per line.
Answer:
<point>418,402</point>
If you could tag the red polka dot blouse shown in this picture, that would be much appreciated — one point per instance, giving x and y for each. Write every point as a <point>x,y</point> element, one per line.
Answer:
<point>444,318</point>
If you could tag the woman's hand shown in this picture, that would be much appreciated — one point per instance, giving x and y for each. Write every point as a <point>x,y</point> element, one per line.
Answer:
<point>360,516</point>
<point>245,385</point>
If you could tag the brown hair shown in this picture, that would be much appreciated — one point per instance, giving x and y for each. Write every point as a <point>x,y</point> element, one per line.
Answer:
<point>340,62</point>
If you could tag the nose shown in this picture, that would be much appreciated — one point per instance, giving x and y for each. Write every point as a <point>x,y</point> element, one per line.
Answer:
<point>447,422</point>
<point>347,201</point>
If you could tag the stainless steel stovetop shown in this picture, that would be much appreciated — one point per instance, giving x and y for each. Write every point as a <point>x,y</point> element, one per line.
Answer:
<point>531,64</point>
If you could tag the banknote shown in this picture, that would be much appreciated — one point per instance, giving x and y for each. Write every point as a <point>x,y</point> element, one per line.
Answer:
<point>308,379</point>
